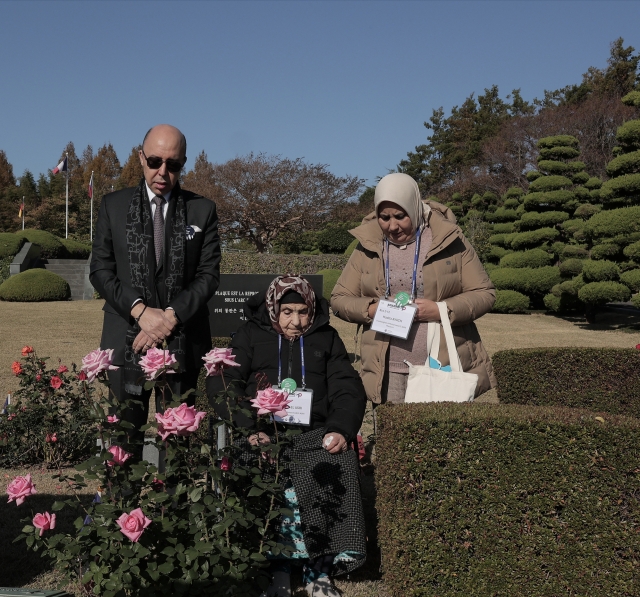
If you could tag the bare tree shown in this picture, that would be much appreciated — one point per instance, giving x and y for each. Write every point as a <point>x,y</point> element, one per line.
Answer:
<point>262,196</point>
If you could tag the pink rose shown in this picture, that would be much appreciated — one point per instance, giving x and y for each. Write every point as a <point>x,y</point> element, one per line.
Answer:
<point>56,382</point>
<point>44,522</point>
<point>112,419</point>
<point>156,361</point>
<point>118,456</point>
<point>96,362</point>
<point>51,438</point>
<point>132,525</point>
<point>271,401</point>
<point>11,416</point>
<point>183,420</point>
<point>63,369</point>
<point>225,464</point>
<point>19,489</point>
<point>218,359</point>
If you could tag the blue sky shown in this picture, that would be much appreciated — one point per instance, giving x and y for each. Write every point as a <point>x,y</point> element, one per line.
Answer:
<point>344,83</point>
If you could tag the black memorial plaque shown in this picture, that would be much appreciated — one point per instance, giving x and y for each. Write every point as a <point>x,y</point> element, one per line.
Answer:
<point>225,308</point>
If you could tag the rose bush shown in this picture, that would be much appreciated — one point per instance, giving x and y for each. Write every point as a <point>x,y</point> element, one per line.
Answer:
<point>50,402</point>
<point>202,523</point>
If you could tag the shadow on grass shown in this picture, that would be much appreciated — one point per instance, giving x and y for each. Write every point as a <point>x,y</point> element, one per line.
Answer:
<point>622,320</point>
<point>19,566</point>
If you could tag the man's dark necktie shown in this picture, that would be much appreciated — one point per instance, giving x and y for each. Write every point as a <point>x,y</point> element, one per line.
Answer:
<point>158,228</point>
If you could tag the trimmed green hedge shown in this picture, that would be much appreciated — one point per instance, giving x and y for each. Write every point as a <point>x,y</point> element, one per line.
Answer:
<point>574,252</point>
<point>504,215</point>
<point>531,258</point>
<point>571,267</point>
<point>507,501</point>
<point>558,141</point>
<point>269,263</point>
<point>51,246</point>
<point>559,153</point>
<point>532,238</point>
<point>497,253</point>
<point>605,251</point>
<point>628,163</point>
<point>533,175</point>
<point>632,99</point>
<point>632,251</point>
<point>612,222</point>
<point>510,301</point>
<point>625,186</point>
<point>631,279</point>
<point>599,379</point>
<point>586,210</point>
<point>550,183</point>
<point>635,301</point>
<point>600,293</point>
<point>600,271</point>
<point>351,248</point>
<point>531,220</point>
<point>503,228</point>
<point>35,285</point>
<point>580,178</point>
<point>628,135</point>
<point>330,277</point>
<point>75,249</point>
<point>10,244</point>
<point>593,183</point>
<point>554,167</point>
<point>533,201</point>
<point>526,280</point>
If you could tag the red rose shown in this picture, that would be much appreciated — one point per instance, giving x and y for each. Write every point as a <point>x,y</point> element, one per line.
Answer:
<point>56,382</point>
<point>27,350</point>
<point>225,464</point>
<point>51,438</point>
<point>637,346</point>
<point>38,377</point>
<point>82,376</point>
<point>62,369</point>
<point>16,367</point>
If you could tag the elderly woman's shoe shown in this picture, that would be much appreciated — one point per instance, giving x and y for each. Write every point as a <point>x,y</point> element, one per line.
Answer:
<point>280,585</point>
<point>322,587</point>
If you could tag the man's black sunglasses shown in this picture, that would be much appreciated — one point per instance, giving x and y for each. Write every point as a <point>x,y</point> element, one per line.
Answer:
<point>155,163</point>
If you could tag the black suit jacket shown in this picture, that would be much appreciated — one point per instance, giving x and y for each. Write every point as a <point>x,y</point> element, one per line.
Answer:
<point>110,273</point>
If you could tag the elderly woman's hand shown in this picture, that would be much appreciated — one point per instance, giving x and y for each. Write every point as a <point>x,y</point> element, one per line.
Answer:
<point>427,310</point>
<point>334,443</point>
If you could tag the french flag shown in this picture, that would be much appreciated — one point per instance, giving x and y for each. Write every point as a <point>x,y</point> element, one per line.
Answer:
<point>61,167</point>
<point>91,187</point>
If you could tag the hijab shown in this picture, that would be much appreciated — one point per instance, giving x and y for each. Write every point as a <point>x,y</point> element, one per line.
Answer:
<point>401,190</point>
<point>282,286</point>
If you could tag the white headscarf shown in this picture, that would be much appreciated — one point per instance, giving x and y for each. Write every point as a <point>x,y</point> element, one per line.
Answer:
<point>401,190</point>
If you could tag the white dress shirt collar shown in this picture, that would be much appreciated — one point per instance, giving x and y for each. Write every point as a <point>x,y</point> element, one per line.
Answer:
<point>152,194</point>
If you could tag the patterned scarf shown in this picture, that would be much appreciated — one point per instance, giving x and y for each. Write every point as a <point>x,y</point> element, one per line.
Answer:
<point>279,287</point>
<point>142,267</point>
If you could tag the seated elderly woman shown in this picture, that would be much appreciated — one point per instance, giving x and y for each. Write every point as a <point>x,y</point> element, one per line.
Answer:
<point>288,338</point>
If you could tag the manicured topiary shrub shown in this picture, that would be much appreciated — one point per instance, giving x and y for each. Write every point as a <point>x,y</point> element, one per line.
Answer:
<point>550,183</point>
<point>559,153</point>
<point>352,247</point>
<point>532,219</point>
<point>605,251</point>
<point>628,135</point>
<point>334,239</point>
<point>330,277</point>
<point>586,210</point>
<point>533,238</point>
<point>510,301</point>
<point>628,163</point>
<point>51,246</point>
<point>507,500</point>
<point>10,244</point>
<point>572,226</point>
<point>531,258</point>
<point>595,294</point>
<point>504,215</point>
<point>503,228</point>
<point>526,280</point>
<point>557,141</point>
<point>496,253</point>
<point>270,263</point>
<point>580,178</point>
<point>571,267</point>
<point>533,175</point>
<point>593,183</point>
<point>35,285</point>
<point>562,303</point>
<point>626,186</point>
<point>632,251</point>
<point>635,301</point>
<point>75,249</point>
<point>631,279</point>
<point>511,203</point>
<point>499,240</point>
<point>600,379</point>
<point>537,200</point>
<point>600,271</point>
<point>574,252</point>
<point>513,193</point>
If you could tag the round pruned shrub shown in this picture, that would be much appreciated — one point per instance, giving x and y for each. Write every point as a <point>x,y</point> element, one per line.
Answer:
<point>628,163</point>
<point>513,192</point>
<point>586,210</point>
<point>571,267</point>
<point>612,222</point>
<point>561,303</point>
<point>574,252</point>
<point>559,153</point>
<point>635,301</point>
<point>601,293</point>
<point>572,226</point>
<point>626,186</point>
<point>525,240</point>
<point>532,219</point>
<point>593,183</point>
<point>579,178</point>
<point>503,228</point>
<point>526,280</point>
<point>501,240</point>
<point>533,175</point>
<point>558,141</point>
<point>605,251</point>
<point>511,203</point>
<point>510,301</point>
<point>532,258</point>
<point>554,167</point>
<point>628,135</point>
<point>632,251</point>
<point>504,215</point>
<point>352,247</point>
<point>35,285</point>
<point>75,249</point>
<point>334,239</point>
<point>10,244</point>
<point>600,271</point>
<point>631,279</point>
<point>550,183</point>
<point>51,246</point>
<point>559,198</point>
<point>330,277</point>
<point>497,253</point>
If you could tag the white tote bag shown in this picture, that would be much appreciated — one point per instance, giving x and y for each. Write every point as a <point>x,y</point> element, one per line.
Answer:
<point>426,384</point>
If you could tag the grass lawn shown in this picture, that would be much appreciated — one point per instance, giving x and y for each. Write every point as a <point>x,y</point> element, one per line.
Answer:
<point>69,330</point>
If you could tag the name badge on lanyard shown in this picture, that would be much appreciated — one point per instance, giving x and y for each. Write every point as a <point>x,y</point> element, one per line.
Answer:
<point>301,399</point>
<point>395,318</point>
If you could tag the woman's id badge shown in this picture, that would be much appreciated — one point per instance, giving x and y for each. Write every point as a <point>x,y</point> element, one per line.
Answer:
<point>299,409</point>
<point>394,319</point>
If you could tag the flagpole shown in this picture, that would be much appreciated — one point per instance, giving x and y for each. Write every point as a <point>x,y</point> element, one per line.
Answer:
<point>91,233</point>
<point>66,234</point>
<point>23,206</point>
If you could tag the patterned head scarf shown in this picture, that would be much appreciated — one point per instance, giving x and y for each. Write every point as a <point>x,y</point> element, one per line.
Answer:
<point>403,191</point>
<point>279,287</point>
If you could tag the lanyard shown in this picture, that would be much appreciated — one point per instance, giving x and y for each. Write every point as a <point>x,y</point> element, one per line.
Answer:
<point>304,383</point>
<point>416,257</point>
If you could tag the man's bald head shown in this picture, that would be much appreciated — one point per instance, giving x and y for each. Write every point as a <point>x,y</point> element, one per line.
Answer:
<point>165,142</point>
<point>168,129</point>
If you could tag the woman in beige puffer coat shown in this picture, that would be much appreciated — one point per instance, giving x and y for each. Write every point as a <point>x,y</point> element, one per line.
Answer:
<point>451,272</point>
